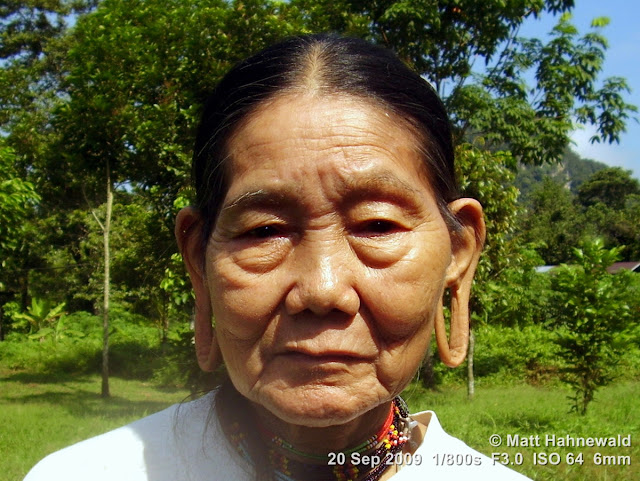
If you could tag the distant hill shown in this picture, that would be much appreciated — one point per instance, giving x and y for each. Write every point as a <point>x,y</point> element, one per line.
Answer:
<point>572,172</point>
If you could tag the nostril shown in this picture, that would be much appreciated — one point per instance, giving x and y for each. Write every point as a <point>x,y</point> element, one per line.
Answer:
<point>333,318</point>
<point>340,300</point>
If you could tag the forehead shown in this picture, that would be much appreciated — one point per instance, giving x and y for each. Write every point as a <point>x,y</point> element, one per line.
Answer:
<point>299,136</point>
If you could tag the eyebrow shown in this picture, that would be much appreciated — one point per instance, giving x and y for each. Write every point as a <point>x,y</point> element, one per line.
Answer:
<point>378,186</point>
<point>382,186</point>
<point>260,198</point>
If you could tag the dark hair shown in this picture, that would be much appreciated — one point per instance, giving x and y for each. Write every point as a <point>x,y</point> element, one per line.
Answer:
<point>328,64</point>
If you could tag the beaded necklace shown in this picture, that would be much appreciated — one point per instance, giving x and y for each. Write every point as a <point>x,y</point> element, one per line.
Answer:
<point>365,462</point>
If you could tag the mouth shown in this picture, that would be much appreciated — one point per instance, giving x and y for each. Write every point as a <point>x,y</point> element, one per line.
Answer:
<point>323,357</point>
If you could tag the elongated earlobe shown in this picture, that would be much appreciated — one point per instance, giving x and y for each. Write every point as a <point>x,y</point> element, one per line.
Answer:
<point>453,351</point>
<point>466,247</point>
<point>188,235</point>
<point>206,342</point>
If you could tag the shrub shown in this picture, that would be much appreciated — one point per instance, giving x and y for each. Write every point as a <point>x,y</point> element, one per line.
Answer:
<point>504,355</point>
<point>180,368</point>
<point>590,307</point>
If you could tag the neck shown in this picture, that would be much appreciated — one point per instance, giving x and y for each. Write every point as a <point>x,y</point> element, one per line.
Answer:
<point>314,440</point>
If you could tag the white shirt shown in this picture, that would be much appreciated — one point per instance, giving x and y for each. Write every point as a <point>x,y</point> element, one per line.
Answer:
<point>185,443</point>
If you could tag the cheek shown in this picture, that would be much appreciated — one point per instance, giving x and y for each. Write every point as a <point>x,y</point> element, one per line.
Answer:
<point>404,298</point>
<point>398,363</point>
<point>242,303</point>
<point>402,302</point>
<point>243,308</point>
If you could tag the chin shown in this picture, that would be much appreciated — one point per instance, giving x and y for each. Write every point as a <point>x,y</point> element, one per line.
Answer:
<point>318,406</point>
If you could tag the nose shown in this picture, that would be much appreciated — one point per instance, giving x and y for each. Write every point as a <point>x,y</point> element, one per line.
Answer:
<point>324,279</point>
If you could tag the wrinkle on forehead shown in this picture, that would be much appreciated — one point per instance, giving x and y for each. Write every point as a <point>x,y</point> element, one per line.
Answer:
<point>352,130</point>
<point>356,125</point>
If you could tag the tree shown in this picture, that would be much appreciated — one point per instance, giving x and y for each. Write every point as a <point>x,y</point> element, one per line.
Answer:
<point>590,307</point>
<point>605,206</point>
<point>134,80</point>
<point>609,198</point>
<point>445,40</point>
<point>17,199</point>
<point>553,223</point>
<point>33,34</point>
<point>488,177</point>
<point>610,186</point>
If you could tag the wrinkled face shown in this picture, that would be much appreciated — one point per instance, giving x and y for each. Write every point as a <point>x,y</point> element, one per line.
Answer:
<point>328,260</point>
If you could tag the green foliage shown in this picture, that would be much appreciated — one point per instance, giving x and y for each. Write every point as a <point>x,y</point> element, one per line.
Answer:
<point>68,356</point>
<point>488,177</point>
<point>138,73</point>
<point>175,283</point>
<point>180,368</point>
<point>29,25</point>
<point>71,243</point>
<point>553,222</point>
<point>42,319</point>
<point>442,40</point>
<point>71,345</point>
<point>606,205</point>
<point>129,83</point>
<point>519,295</point>
<point>17,199</point>
<point>619,228</point>
<point>566,73</point>
<point>610,186</point>
<point>590,306</point>
<point>506,355</point>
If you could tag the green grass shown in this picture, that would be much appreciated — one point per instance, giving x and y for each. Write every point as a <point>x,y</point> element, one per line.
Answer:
<point>529,411</point>
<point>41,413</point>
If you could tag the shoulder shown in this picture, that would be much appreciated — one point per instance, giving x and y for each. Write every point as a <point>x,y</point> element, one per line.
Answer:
<point>445,457</point>
<point>177,443</point>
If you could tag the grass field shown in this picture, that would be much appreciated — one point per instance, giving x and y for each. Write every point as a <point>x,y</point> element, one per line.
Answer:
<point>528,411</point>
<point>40,414</point>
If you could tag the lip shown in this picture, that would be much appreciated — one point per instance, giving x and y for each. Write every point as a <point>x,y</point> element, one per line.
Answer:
<point>323,357</point>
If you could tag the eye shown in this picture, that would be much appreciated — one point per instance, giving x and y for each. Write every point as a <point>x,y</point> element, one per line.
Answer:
<point>263,232</point>
<point>378,227</point>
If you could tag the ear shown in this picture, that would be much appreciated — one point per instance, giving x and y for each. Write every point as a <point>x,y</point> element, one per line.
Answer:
<point>188,233</point>
<point>467,244</point>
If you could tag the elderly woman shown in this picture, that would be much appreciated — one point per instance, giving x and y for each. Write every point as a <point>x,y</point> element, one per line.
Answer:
<point>327,229</point>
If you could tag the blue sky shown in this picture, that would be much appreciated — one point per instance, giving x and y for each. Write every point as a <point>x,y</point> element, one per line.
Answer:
<point>622,59</point>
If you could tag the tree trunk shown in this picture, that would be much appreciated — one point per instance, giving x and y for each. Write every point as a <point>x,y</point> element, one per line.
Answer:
<point>105,307</point>
<point>471,384</point>
<point>24,289</point>
<point>165,320</point>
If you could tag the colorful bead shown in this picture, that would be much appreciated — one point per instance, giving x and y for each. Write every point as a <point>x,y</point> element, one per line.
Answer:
<point>390,439</point>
